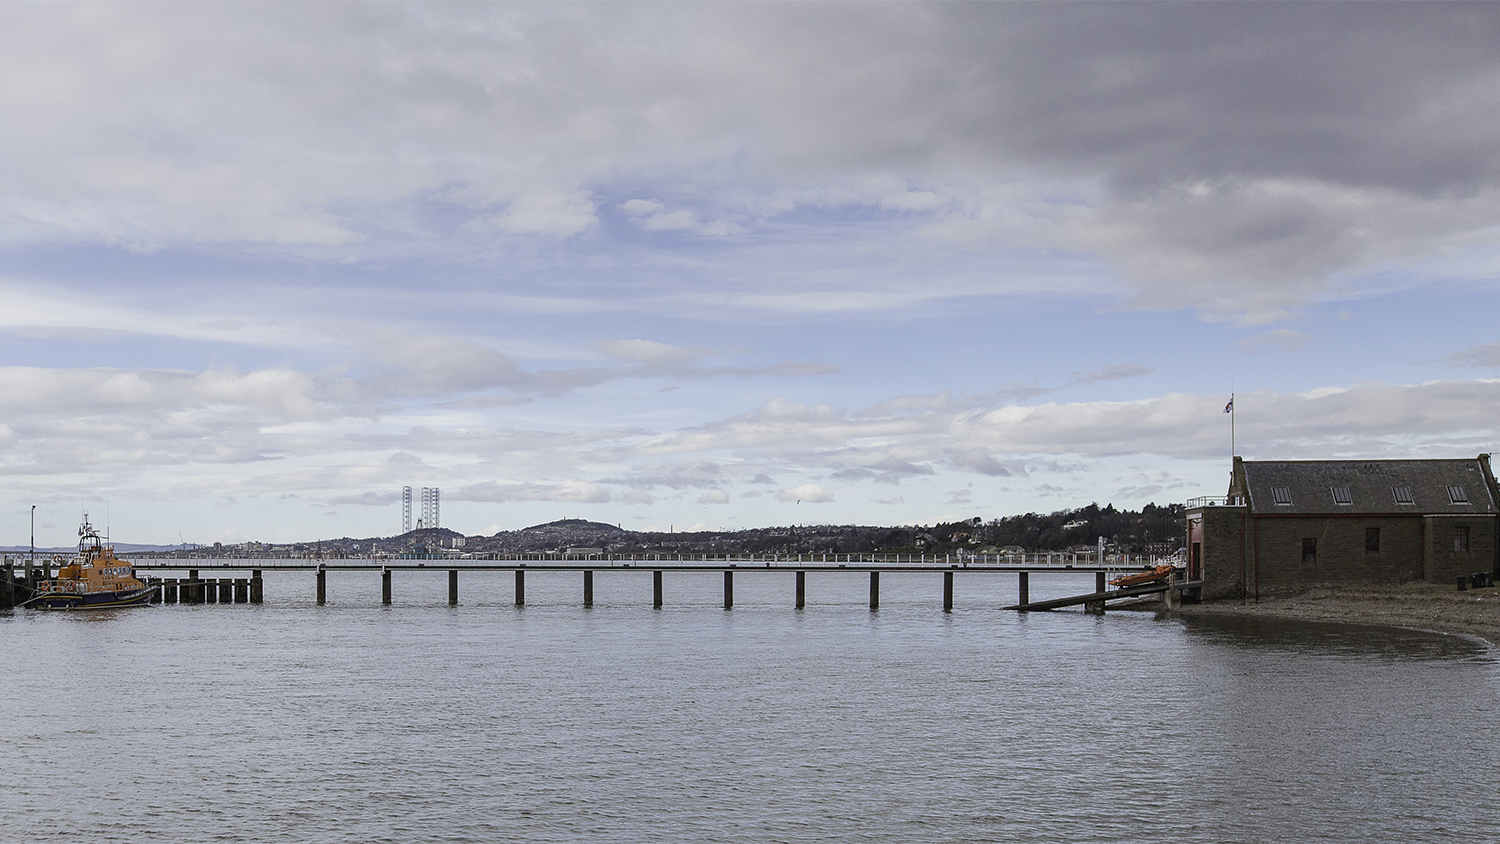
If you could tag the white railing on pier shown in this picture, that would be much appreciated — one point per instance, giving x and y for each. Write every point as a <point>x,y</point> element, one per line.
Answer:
<point>1037,560</point>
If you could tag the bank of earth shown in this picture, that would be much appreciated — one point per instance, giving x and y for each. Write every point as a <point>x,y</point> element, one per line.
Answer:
<point>1416,605</point>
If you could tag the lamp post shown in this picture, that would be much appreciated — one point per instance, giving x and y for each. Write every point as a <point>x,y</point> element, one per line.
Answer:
<point>31,558</point>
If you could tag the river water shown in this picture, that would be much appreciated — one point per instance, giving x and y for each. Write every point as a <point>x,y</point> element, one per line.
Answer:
<point>486,722</point>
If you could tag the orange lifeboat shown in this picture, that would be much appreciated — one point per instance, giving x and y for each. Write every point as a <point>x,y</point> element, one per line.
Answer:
<point>1144,577</point>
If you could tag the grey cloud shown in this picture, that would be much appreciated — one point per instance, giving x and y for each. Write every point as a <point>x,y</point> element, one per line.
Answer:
<point>495,492</point>
<point>652,352</point>
<point>1368,419</point>
<point>978,460</point>
<point>890,470</point>
<point>700,474</point>
<point>653,359</point>
<point>368,499</point>
<point>1279,340</point>
<point>1113,372</point>
<point>1224,156</point>
<point>1486,356</point>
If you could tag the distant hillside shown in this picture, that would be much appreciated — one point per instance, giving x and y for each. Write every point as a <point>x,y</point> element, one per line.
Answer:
<point>572,526</point>
<point>1151,530</point>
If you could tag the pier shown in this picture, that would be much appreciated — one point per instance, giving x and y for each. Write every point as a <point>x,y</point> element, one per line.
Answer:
<point>1171,590</point>
<point>198,589</point>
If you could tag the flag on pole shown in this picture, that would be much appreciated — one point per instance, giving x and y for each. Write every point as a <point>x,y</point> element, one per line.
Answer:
<point>1229,408</point>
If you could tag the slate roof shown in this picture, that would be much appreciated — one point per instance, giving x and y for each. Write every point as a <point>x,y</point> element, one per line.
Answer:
<point>1311,486</point>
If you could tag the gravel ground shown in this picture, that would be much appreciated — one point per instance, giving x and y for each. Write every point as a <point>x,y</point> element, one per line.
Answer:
<point>1421,606</point>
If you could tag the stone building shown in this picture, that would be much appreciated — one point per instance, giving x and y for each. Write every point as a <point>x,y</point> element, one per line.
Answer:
<point>1289,525</point>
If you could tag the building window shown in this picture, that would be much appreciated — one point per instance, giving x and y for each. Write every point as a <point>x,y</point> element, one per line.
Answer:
<point>1403,494</point>
<point>1461,540</point>
<point>1341,495</point>
<point>1372,540</point>
<point>1457,495</point>
<point>1309,550</point>
<point>1282,495</point>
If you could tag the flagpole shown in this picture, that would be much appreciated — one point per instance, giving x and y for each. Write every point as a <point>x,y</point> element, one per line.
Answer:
<point>1231,427</point>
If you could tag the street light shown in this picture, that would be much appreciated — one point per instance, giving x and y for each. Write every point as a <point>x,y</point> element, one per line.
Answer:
<point>31,558</point>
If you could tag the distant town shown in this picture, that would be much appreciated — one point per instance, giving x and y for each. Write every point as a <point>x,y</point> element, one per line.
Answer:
<point>1152,530</point>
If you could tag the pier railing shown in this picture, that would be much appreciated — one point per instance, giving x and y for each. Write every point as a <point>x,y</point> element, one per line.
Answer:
<point>1040,560</point>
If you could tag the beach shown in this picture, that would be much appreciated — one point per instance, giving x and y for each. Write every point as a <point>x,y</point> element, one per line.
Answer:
<point>1417,605</point>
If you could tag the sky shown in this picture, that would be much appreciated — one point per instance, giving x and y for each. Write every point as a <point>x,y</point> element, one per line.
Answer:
<point>721,266</point>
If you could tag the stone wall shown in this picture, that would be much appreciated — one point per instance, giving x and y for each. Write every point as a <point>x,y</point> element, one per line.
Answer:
<point>1278,566</point>
<point>1411,548</point>
<point>1443,564</point>
<point>1224,532</point>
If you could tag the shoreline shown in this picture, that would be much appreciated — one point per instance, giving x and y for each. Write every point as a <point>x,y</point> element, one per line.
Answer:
<point>1416,606</point>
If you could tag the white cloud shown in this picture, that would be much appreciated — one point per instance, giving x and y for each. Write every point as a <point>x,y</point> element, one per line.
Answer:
<point>652,215</point>
<point>652,352</point>
<point>807,493</point>
<point>714,496</point>
<point>550,213</point>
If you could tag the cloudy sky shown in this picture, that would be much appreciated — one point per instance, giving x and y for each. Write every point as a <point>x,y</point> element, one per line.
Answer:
<point>729,265</point>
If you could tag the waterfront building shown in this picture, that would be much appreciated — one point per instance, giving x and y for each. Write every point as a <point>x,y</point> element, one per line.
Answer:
<point>1286,526</point>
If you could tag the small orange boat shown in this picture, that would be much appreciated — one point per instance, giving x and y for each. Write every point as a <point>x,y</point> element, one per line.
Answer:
<point>1144,577</point>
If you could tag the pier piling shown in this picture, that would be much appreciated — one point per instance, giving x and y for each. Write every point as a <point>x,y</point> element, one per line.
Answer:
<point>224,590</point>
<point>7,587</point>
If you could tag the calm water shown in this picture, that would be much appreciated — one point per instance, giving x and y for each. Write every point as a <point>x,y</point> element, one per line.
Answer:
<point>419,722</point>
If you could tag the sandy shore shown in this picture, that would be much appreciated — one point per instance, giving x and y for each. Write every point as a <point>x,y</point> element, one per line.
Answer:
<point>1421,606</point>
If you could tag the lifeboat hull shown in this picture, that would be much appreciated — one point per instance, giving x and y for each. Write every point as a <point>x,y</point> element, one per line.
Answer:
<point>91,600</point>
